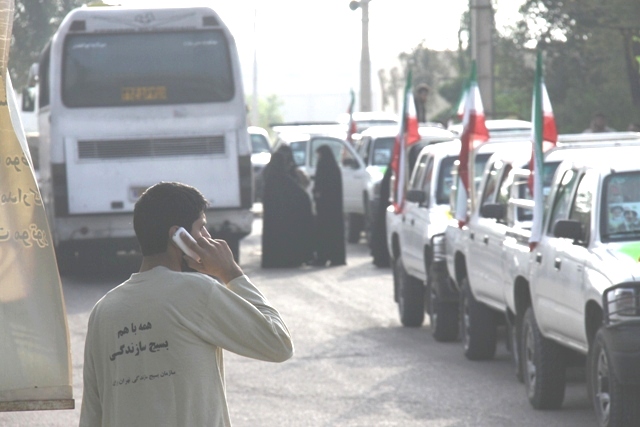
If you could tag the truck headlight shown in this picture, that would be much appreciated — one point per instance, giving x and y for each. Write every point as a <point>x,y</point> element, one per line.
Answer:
<point>438,244</point>
<point>623,301</point>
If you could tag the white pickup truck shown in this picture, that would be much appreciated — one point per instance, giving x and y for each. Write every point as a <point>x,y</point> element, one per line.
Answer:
<point>584,287</point>
<point>414,237</point>
<point>375,146</point>
<point>549,306</point>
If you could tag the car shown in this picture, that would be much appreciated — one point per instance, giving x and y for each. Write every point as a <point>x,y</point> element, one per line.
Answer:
<point>260,156</point>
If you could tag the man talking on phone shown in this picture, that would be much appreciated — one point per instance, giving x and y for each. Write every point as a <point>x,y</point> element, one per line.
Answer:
<point>153,353</point>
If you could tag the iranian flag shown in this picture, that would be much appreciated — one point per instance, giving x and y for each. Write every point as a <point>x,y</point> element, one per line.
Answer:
<point>474,132</point>
<point>462,101</point>
<point>407,135</point>
<point>544,136</point>
<point>352,123</point>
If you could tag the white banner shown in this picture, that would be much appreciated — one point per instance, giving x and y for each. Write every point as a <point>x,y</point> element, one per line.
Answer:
<point>35,367</point>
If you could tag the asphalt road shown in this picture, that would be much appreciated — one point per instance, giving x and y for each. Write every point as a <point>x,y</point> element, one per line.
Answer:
<point>354,365</point>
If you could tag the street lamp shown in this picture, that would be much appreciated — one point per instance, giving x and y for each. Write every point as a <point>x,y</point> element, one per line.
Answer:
<point>365,60</point>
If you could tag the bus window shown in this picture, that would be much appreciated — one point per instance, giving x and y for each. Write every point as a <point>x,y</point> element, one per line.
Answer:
<point>103,70</point>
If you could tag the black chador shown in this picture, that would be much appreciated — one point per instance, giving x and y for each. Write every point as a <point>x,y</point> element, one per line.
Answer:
<point>327,194</point>
<point>287,228</point>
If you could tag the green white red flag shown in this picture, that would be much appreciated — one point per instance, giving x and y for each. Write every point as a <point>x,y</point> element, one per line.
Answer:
<point>408,135</point>
<point>474,132</point>
<point>543,131</point>
<point>462,101</point>
<point>352,123</point>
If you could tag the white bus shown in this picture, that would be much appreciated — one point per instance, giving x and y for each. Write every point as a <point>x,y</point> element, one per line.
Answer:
<point>130,97</point>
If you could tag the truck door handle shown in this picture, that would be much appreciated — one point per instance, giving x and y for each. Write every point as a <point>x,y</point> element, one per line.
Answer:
<point>412,221</point>
<point>539,258</point>
<point>472,236</point>
<point>557,263</point>
<point>403,218</point>
<point>486,240</point>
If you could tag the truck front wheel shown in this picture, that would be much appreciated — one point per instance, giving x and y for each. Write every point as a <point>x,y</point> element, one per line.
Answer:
<point>544,366</point>
<point>410,296</point>
<point>478,326</point>
<point>615,405</point>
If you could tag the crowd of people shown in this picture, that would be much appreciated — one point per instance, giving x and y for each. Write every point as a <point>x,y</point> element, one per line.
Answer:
<point>302,225</point>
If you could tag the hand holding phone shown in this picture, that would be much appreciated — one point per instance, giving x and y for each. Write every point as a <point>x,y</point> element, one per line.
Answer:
<point>182,245</point>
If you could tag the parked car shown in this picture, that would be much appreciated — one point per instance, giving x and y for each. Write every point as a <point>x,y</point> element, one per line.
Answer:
<point>260,156</point>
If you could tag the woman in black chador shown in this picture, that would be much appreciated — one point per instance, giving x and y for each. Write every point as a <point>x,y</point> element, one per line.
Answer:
<point>327,194</point>
<point>287,227</point>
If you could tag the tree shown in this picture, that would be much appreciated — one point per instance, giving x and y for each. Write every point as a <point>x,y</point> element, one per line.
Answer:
<point>269,111</point>
<point>34,23</point>
<point>590,48</point>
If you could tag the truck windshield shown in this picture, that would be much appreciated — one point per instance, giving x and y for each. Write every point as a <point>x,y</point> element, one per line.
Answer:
<point>108,70</point>
<point>445,178</point>
<point>382,148</point>
<point>621,207</point>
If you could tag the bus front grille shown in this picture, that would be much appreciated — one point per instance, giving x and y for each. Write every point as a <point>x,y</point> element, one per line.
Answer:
<point>156,147</point>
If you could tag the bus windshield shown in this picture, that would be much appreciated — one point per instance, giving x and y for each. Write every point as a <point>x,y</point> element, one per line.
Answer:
<point>108,70</point>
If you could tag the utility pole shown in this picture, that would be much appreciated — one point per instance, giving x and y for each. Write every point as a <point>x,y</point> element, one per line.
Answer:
<point>255,114</point>
<point>365,60</point>
<point>482,25</point>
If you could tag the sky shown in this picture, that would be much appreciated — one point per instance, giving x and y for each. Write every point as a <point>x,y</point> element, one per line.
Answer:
<point>308,52</point>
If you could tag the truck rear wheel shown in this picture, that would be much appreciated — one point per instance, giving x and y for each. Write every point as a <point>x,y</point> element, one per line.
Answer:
<point>410,296</point>
<point>615,405</point>
<point>478,326</point>
<point>544,366</point>
<point>443,317</point>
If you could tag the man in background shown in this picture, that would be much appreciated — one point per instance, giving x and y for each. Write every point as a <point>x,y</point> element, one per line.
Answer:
<point>420,98</point>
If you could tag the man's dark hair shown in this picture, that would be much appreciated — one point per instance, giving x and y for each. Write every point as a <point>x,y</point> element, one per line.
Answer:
<point>162,206</point>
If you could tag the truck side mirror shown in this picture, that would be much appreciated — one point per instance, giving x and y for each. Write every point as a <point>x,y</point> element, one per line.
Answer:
<point>493,210</point>
<point>417,196</point>
<point>567,229</point>
<point>350,162</point>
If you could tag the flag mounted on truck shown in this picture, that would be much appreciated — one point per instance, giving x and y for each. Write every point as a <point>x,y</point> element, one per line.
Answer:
<point>408,135</point>
<point>543,130</point>
<point>474,131</point>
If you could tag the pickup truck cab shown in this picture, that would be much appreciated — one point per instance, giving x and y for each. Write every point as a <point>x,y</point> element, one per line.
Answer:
<point>375,147</point>
<point>584,287</point>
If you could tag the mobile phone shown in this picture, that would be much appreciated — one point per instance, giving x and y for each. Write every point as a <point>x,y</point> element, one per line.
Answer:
<point>182,245</point>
